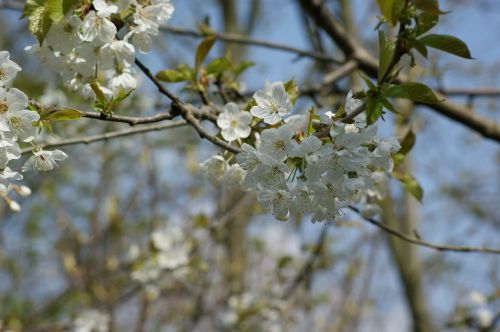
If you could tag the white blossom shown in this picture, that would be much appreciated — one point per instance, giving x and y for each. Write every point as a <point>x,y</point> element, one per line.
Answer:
<point>64,36</point>
<point>97,26</point>
<point>15,120</point>
<point>234,123</point>
<point>8,68</point>
<point>117,52</point>
<point>44,160</point>
<point>273,103</point>
<point>91,321</point>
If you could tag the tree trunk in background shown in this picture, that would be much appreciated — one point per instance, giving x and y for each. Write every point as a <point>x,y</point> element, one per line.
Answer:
<point>234,236</point>
<point>405,255</point>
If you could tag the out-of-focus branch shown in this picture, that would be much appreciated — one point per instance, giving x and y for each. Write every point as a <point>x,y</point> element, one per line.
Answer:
<point>109,135</point>
<point>245,40</point>
<point>308,267</point>
<point>369,64</point>
<point>420,242</point>
<point>11,4</point>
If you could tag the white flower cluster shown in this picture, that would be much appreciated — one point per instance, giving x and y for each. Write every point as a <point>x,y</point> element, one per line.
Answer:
<point>16,124</point>
<point>252,310</point>
<point>84,47</point>
<point>170,251</point>
<point>295,171</point>
<point>91,321</point>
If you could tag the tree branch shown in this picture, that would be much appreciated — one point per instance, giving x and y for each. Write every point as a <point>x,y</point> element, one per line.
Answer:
<point>186,111</point>
<point>420,242</point>
<point>242,39</point>
<point>109,135</point>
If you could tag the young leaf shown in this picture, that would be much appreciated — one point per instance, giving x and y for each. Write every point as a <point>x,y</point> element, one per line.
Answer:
<point>412,90</point>
<point>98,92</point>
<point>180,74</point>
<point>408,142</point>
<point>420,47</point>
<point>425,22</point>
<point>39,23</point>
<point>391,9</point>
<point>292,90</point>
<point>369,83</point>
<point>242,66</point>
<point>447,43</point>
<point>30,7</point>
<point>373,110</point>
<point>218,66</point>
<point>202,51</point>
<point>56,11</point>
<point>428,6</point>
<point>386,52</point>
<point>388,105</point>
<point>410,185</point>
<point>64,114</point>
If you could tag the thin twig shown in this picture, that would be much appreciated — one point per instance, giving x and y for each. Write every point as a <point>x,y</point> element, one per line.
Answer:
<point>193,121</point>
<point>241,39</point>
<point>420,242</point>
<point>110,135</point>
<point>131,120</point>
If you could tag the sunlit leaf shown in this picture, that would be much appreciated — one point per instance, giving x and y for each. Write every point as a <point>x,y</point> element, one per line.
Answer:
<point>447,43</point>
<point>412,90</point>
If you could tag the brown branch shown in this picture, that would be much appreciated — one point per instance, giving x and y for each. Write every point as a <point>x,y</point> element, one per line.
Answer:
<point>187,114</point>
<point>186,111</point>
<point>420,242</point>
<point>109,135</point>
<point>369,64</point>
<point>242,39</point>
<point>131,120</point>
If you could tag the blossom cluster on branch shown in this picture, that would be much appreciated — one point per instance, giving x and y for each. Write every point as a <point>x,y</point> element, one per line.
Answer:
<point>295,168</point>
<point>86,49</point>
<point>17,124</point>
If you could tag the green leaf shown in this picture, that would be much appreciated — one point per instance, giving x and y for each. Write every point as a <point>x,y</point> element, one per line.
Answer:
<point>373,110</point>
<point>64,114</point>
<point>171,76</point>
<point>391,9</point>
<point>369,83</point>
<point>56,10</point>
<point>67,4</point>
<point>388,105</point>
<point>218,66</point>
<point>292,90</point>
<point>420,47</point>
<point>30,7</point>
<point>412,90</point>
<point>447,43</point>
<point>39,23</point>
<point>202,51</point>
<point>180,74</point>
<point>121,96</point>
<point>386,48</point>
<point>428,6</point>
<point>408,142</point>
<point>242,66</point>
<point>425,22</point>
<point>410,185</point>
<point>98,92</point>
